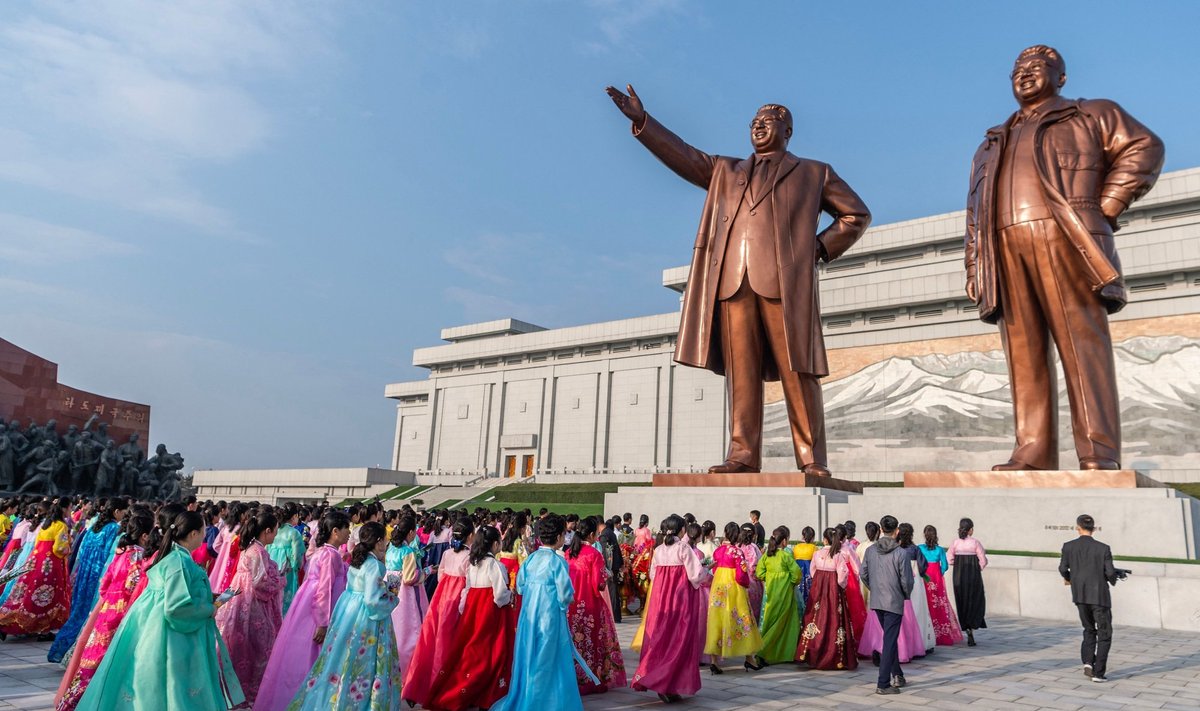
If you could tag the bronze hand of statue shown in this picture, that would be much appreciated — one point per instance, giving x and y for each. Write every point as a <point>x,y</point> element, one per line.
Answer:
<point>630,105</point>
<point>1112,209</point>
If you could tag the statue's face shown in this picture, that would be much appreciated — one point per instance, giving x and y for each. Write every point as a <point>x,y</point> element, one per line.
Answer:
<point>769,132</point>
<point>1036,78</point>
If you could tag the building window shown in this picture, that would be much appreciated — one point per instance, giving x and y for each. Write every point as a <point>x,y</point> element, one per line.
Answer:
<point>697,394</point>
<point>633,398</point>
<point>887,318</point>
<point>927,313</point>
<point>464,411</point>
<point>845,266</point>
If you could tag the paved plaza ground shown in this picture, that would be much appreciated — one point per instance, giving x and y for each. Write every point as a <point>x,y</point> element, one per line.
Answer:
<point>1019,664</point>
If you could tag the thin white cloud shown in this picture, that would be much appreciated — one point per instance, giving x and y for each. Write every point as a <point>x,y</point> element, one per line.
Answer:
<point>32,242</point>
<point>120,98</point>
<point>618,19</point>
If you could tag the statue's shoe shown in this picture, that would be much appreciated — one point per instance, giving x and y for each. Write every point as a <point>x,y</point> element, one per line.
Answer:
<point>816,469</point>
<point>1013,465</point>
<point>731,467</point>
<point>1098,463</point>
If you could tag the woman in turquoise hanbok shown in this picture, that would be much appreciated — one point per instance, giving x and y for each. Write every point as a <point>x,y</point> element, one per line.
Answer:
<point>544,656</point>
<point>357,667</point>
<point>167,653</point>
<point>287,550</point>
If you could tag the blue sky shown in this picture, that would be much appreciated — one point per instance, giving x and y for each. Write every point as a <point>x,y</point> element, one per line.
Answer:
<point>248,214</point>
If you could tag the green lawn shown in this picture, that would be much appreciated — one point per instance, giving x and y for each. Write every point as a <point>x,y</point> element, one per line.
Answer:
<point>1131,558</point>
<point>1189,489</point>
<point>581,499</point>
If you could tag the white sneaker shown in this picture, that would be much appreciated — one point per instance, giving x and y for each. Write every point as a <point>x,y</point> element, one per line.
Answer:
<point>1099,679</point>
<point>1087,670</point>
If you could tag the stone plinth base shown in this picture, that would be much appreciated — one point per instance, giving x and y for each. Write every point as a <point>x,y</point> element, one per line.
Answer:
<point>1059,479</point>
<point>1156,522</point>
<point>761,479</point>
<point>792,506</point>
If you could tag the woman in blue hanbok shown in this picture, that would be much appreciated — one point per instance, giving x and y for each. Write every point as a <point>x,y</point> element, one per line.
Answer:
<point>94,555</point>
<point>23,556</point>
<point>544,656</point>
<point>356,668</point>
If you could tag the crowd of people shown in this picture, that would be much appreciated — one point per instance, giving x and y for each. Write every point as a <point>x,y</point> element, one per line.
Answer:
<point>240,605</point>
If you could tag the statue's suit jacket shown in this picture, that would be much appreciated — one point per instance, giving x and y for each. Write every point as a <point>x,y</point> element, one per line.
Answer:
<point>803,189</point>
<point>1085,150</point>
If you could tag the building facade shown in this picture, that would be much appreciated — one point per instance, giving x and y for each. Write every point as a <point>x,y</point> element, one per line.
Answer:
<point>916,381</point>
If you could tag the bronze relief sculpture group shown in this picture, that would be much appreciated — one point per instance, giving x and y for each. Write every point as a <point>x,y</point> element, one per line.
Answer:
<point>1045,191</point>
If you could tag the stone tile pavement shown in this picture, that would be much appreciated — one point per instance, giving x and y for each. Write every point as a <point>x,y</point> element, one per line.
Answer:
<point>1019,664</point>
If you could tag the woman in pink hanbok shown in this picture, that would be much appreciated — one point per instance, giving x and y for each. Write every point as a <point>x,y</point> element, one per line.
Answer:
<point>407,577</point>
<point>250,621</point>
<point>751,552</point>
<point>225,545</point>
<point>123,581</point>
<point>307,621</point>
<point>590,616</point>
<point>671,644</point>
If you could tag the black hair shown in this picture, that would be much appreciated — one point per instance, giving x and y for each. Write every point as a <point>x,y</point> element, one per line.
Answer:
<point>833,540</point>
<point>181,526</point>
<point>708,529</point>
<point>400,533</point>
<point>332,519</point>
<point>931,538</point>
<point>460,532</point>
<point>516,529</point>
<point>572,518</point>
<point>779,538</point>
<point>109,513</point>
<point>872,530</point>
<point>583,529</point>
<point>905,535</point>
<point>550,528</point>
<point>53,511</point>
<point>135,526</point>
<point>233,514</point>
<point>1086,522</point>
<point>481,545</point>
<point>288,510</point>
<point>964,527</point>
<point>212,511</point>
<point>732,533</point>
<point>851,528</point>
<point>162,523</point>
<point>694,532</point>
<point>263,520</point>
<point>888,524</point>
<point>670,529</point>
<point>748,535</point>
<point>807,534</point>
<point>369,536</point>
<point>643,521</point>
<point>756,513</point>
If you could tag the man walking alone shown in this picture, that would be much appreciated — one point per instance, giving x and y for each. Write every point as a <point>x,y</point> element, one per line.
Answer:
<point>888,575</point>
<point>1087,566</point>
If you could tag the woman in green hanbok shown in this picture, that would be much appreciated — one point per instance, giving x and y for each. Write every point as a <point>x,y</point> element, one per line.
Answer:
<point>287,550</point>
<point>167,653</point>
<point>780,624</point>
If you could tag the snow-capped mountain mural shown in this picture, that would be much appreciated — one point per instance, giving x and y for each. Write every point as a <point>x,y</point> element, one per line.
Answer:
<point>955,411</point>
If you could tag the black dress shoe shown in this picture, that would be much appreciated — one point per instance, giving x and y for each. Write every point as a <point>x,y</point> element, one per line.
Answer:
<point>715,670</point>
<point>762,663</point>
<point>731,467</point>
<point>664,698</point>
<point>752,667</point>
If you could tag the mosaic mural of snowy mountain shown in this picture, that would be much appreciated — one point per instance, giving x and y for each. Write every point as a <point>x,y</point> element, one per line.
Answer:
<point>955,412</point>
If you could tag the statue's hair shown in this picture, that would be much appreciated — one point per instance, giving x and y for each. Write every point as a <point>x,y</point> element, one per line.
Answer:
<point>781,111</point>
<point>1046,51</point>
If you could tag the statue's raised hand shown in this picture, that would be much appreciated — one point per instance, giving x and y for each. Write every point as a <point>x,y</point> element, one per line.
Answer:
<point>630,105</point>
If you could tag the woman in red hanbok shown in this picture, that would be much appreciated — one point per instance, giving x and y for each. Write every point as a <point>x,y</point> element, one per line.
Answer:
<point>123,581</point>
<point>40,600</point>
<point>482,651</point>
<point>855,601</point>
<point>827,638</point>
<point>589,616</point>
<point>440,626</point>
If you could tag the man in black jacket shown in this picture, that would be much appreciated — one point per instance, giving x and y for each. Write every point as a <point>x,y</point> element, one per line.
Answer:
<point>1087,566</point>
<point>614,560</point>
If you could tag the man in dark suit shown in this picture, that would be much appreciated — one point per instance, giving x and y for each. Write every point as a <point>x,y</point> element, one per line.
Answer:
<point>1087,566</point>
<point>614,560</point>
<point>751,310</point>
<point>760,533</point>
